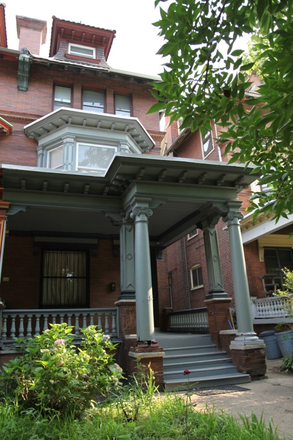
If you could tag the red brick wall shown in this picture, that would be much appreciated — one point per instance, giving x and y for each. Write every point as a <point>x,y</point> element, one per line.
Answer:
<point>23,268</point>
<point>255,269</point>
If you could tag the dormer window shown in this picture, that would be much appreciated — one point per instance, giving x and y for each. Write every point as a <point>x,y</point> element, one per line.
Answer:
<point>82,51</point>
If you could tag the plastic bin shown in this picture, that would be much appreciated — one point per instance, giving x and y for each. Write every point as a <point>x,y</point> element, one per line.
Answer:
<point>285,342</point>
<point>272,348</point>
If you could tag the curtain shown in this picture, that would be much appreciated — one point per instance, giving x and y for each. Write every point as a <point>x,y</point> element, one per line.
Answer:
<point>64,278</point>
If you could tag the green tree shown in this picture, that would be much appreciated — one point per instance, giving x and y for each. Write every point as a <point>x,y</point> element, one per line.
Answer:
<point>205,78</point>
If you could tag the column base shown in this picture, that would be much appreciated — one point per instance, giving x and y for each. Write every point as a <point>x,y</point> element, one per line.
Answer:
<point>144,356</point>
<point>127,294</point>
<point>216,294</point>
<point>248,355</point>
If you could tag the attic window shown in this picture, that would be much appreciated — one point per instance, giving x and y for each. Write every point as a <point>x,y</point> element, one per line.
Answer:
<point>82,51</point>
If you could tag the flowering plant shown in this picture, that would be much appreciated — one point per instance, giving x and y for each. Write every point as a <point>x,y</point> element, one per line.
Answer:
<point>54,375</point>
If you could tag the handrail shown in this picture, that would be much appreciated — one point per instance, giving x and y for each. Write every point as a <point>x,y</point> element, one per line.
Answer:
<point>29,322</point>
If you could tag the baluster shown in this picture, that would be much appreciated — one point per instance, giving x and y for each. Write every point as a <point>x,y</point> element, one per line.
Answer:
<point>21,327</point>
<point>76,327</point>
<point>106,323</point>
<point>84,320</point>
<point>29,327</point>
<point>114,329</point>
<point>61,318</point>
<point>37,327</point>
<point>45,322</point>
<point>69,319</point>
<point>92,318</point>
<point>4,328</point>
<point>12,328</point>
<point>99,321</point>
<point>54,319</point>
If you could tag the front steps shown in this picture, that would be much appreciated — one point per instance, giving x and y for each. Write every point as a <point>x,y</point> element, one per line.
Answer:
<point>208,367</point>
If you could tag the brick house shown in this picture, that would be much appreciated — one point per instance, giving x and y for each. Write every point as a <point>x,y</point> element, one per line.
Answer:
<point>97,224</point>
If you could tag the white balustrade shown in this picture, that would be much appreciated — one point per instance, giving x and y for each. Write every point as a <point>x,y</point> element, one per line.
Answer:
<point>26,323</point>
<point>274,307</point>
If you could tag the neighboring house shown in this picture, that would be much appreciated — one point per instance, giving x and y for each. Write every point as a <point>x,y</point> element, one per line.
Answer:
<point>267,245</point>
<point>89,206</point>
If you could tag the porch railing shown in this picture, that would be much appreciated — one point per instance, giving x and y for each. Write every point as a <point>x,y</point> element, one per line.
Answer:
<point>194,320</point>
<point>274,307</point>
<point>29,322</point>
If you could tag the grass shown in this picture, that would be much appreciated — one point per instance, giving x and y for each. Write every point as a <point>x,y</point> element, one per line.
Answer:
<point>158,417</point>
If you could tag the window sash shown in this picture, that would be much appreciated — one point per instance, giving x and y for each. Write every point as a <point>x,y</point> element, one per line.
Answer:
<point>122,105</point>
<point>94,158</point>
<point>82,51</point>
<point>62,97</point>
<point>93,101</point>
<point>55,158</point>
<point>207,143</point>
<point>196,277</point>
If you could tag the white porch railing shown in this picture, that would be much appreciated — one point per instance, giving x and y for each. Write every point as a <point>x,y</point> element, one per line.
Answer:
<point>29,322</point>
<point>195,320</point>
<point>273,307</point>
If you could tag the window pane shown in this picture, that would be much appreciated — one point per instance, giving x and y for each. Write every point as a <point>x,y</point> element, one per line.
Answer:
<point>62,97</point>
<point>95,158</point>
<point>196,277</point>
<point>56,158</point>
<point>88,52</point>
<point>122,105</point>
<point>64,278</point>
<point>207,143</point>
<point>93,101</point>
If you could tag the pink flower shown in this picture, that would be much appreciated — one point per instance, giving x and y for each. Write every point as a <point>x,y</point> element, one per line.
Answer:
<point>106,337</point>
<point>59,342</point>
<point>186,372</point>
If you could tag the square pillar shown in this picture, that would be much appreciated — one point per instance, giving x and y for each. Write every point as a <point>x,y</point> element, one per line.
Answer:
<point>144,356</point>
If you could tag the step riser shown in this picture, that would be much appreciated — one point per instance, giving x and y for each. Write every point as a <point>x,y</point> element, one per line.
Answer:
<point>211,383</point>
<point>193,358</point>
<point>177,351</point>
<point>197,365</point>
<point>183,341</point>
<point>195,376</point>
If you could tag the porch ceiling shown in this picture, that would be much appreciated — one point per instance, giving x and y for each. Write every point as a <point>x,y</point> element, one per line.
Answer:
<point>181,192</point>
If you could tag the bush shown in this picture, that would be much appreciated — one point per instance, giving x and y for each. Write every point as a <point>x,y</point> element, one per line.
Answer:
<point>53,375</point>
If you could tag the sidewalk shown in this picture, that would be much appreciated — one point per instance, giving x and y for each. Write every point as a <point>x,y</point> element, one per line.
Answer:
<point>271,398</point>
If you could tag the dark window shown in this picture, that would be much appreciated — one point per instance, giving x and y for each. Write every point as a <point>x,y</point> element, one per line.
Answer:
<point>275,260</point>
<point>64,280</point>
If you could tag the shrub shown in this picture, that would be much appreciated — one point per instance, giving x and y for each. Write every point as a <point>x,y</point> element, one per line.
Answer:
<point>53,375</point>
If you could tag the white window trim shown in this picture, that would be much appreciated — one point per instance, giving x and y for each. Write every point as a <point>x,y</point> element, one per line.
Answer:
<point>190,236</point>
<point>202,140</point>
<point>200,286</point>
<point>72,52</point>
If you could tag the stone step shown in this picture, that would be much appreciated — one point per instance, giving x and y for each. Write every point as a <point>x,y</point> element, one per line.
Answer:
<point>211,381</point>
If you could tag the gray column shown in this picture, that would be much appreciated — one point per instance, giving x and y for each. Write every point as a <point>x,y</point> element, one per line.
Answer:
<point>143,279</point>
<point>127,261</point>
<point>245,332</point>
<point>216,286</point>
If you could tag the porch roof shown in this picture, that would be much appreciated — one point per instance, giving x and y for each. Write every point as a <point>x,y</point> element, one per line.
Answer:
<point>181,193</point>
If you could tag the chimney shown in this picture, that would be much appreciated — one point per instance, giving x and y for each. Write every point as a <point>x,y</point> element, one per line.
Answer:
<point>31,33</point>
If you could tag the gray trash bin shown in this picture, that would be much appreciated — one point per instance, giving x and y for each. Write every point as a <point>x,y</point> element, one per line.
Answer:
<point>272,348</point>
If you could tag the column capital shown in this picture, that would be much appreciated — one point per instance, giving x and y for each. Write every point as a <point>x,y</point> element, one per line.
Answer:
<point>117,217</point>
<point>139,210</point>
<point>233,215</point>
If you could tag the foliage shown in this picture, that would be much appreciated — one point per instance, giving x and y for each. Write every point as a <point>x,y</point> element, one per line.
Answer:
<point>205,79</point>
<point>164,419</point>
<point>288,293</point>
<point>55,377</point>
<point>287,363</point>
